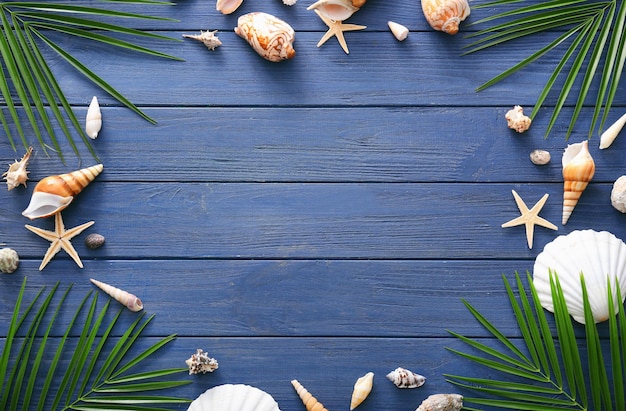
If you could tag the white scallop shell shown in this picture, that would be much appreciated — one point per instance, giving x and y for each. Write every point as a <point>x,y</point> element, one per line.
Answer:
<point>234,397</point>
<point>598,255</point>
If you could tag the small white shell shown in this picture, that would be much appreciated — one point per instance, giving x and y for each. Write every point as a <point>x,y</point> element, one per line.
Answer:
<point>540,157</point>
<point>128,300</point>
<point>93,121</point>
<point>399,31</point>
<point>404,378</point>
<point>516,119</point>
<point>618,194</point>
<point>442,402</point>
<point>227,6</point>
<point>610,134</point>
<point>17,173</point>
<point>362,389</point>
<point>598,255</point>
<point>289,2</point>
<point>234,397</point>
<point>200,362</point>
<point>337,10</point>
<point>9,260</point>
<point>208,38</point>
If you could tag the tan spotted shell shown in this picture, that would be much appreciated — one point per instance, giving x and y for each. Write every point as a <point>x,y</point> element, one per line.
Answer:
<point>271,37</point>
<point>445,15</point>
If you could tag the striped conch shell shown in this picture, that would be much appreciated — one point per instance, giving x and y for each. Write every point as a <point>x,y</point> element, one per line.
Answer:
<point>271,37</point>
<point>445,15</point>
<point>93,120</point>
<point>128,300</point>
<point>227,6</point>
<point>17,173</point>
<point>578,170</point>
<point>362,389</point>
<point>442,402</point>
<point>610,134</point>
<point>52,194</point>
<point>310,402</point>
<point>337,10</point>
<point>404,378</point>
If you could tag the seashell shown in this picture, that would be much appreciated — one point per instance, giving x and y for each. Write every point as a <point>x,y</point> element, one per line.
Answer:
<point>289,2</point>
<point>209,39</point>
<point>52,194</point>
<point>540,157</point>
<point>337,10</point>
<point>234,397</point>
<point>93,121</point>
<point>442,402</point>
<point>578,170</point>
<point>94,240</point>
<point>362,389</point>
<point>598,255</point>
<point>516,119</point>
<point>399,31</point>
<point>227,6</point>
<point>404,378</point>
<point>445,15</point>
<point>128,300</point>
<point>9,260</point>
<point>610,134</point>
<point>200,362</point>
<point>269,36</point>
<point>618,194</point>
<point>310,402</point>
<point>17,173</point>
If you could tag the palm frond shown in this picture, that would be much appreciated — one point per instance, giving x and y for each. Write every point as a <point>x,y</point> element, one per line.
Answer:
<point>26,26</point>
<point>78,386</point>
<point>596,34</point>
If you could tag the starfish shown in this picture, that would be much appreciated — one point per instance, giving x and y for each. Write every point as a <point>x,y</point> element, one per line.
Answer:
<point>529,217</point>
<point>336,28</point>
<point>60,239</point>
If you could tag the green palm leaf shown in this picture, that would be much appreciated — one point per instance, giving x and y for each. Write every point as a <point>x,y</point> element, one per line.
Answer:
<point>596,34</point>
<point>78,387</point>
<point>26,81</point>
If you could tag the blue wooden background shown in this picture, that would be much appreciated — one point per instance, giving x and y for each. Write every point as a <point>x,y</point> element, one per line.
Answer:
<point>314,219</point>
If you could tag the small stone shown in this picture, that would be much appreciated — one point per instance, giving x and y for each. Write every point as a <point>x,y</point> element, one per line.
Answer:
<point>618,194</point>
<point>94,241</point>
<point>9,260</point>
<point>540,157</point>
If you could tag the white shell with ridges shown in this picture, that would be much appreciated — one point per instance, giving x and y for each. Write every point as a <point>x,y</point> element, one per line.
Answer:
<point>128,300</point>
<point>93,121</point>
<point>234,397</point>
<point>598,255</point>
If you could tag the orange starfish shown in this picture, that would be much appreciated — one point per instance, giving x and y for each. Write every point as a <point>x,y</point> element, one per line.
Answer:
<point>529,217</point>
<point>336,28</point>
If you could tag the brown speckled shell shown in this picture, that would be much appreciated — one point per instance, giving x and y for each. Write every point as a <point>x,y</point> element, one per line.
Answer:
<point>94,241</point>
<point>269,36</point>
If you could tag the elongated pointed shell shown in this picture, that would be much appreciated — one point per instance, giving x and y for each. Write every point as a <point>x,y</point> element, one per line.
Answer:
<point>445,15</point>
<point>607,138</point>
<point>227,6</point>
<point>17,173</point>
<point>234,397</point>
<point>404,378</point>
<point>310,402</point>
<point>271,37</point>
<point>578,170</point>
<point>399,31</point>
<point>442,402</point>
<point>52,194</point>
<point>337,10</point>
<point>93,121</point>
<point>362,389</point>
<point>127,299</point>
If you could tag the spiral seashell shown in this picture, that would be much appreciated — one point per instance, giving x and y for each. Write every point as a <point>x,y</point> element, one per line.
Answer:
<point>52,194</point>
<point>227,6</point>
<point>404,378</point>
<point>128,300</point>
<point>9,260</point>
<point>610,134</point>
<point>93,121</point>
<point>442,402</point>
<point>17,173</point>
<point>310,402</point>
<point>445,15</point>
<point>362,389</point>
<point>578,170</point>
<point>271,37</point>
<point>337,10</point>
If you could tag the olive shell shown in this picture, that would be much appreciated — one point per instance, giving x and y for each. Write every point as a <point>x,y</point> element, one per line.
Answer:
<point>94,240</point>
<point>9,260</point>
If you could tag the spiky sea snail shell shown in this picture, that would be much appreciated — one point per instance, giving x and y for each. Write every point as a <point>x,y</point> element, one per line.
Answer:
<point>516,120</point>
<point>208,38</point>
<point>337,10</point>
<point>93,120</point>
<point>271,37</point>
<point>618,194</point>
<point>17,173</point>
<point>310,402</point>
<point>227,6</point>
<point>399,31</point>
<point>442,402</point>
<point>200,362</point>
<point>128,300</point>
<point>52,194</point>
<point>445,15</point>
<point>403,378</point>
<point>9,260</point>
<point>610,134</point>
<point>362,388</point>
<point>578,170</point>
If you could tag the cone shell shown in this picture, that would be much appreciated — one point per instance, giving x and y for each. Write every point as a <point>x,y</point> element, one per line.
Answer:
<point>607,138</point>
<point>310,402</point>
<point>234,397</point>
<point>52,194</point>
<point>578,170</point>
<point>442,402</point>
<point>404,378</point>
<point>93,121</point>
<point>271,37</point>
<point>445,15</point>
<point>399,31</point>
<point>362,389</point>
<point>127,299</point>
<point>227,6</point>
<point>17,173</point>
<point>337,10</point>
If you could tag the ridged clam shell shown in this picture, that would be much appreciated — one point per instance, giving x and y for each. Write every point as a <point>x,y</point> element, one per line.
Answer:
<point>17,173</point>
<point>234,397</point>
<point>598,255</point>
<point>362,389</point>
<point>445,15</point>
<point>93,120</point>
<point>442,402</point>
<point>271,37</point>
<point>578,170</point>
<point>310,402</point>
<point>404,378</point>
<point>227,6</point>
<point>337,10</point>
<point>127,299</point>
<point>52,194</point>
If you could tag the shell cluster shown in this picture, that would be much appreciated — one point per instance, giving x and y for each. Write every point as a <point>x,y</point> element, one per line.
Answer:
<point>403,378</point>
<point>517,120</point>
<point>9,260</point>
<point>234,397</point>
<point>17,173</point>
<point>578,170</point>
<point>200,362</point>
<point>271,37</point>
<point>442,402</point>
<point>445,15</point>
<point>362,389</point>
<point>130,301</point>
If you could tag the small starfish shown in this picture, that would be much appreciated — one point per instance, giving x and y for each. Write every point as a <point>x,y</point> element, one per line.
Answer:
<point>60,239</point>
<point>336,28</point>
<point>529,217</point>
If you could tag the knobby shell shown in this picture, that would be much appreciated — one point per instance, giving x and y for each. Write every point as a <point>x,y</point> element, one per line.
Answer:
<point>442,402</point>
<point>17,173</point>
<point>200,362</point>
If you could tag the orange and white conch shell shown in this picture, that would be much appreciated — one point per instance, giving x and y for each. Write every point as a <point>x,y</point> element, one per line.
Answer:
<point>52,194</point>
<point>17,173</point>
<point>93,120</point>
<point>310,402</point>
<point>128,300</point>
<point>227,6</point>
<point>362,389</point>
<point>337,10</point>
<point>271,37</point>
<point>578,170</point>
<point>445,15</point>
